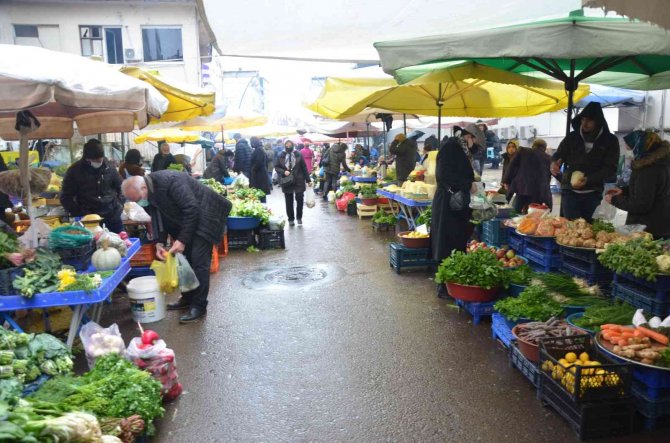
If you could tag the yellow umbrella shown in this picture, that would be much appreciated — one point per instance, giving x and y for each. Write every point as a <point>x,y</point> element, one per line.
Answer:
<point>214,123</point>
<point>465,89</point>
<point>185,102</point>
<point>170,135</point>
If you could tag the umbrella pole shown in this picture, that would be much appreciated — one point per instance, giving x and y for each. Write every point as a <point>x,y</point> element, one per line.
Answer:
<point>404,124</point>
<point>570,85</point>
<point>24,170</point>
<point>439,115</point>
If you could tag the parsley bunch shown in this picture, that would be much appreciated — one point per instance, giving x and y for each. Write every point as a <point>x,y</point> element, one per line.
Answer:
<point>534,303</point>
<point>479,268</point>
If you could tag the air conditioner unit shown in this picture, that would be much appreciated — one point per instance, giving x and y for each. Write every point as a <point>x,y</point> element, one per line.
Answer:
<point>131,55</point>
<point>504,133</point>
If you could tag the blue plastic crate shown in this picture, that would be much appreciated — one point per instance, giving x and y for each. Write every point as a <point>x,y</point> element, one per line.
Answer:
<point>653,379</point>
<point>525,366</point>
<point>648,392</point>
<point>662,283</point>
<point>403,257</point>
<point>651,409</point>
<point>547,245</point>
<point>657,290</point>
<point>500,330</point>
<point>581,254</point>
<point>477,310</point>
<point>641,300</point>
<point>541,261</point>
<point>601,277</point>
<point>516,241</point>
<point>494,232</point>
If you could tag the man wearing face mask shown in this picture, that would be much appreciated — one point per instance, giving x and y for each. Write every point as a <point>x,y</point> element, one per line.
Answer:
<point>92,186</point>
<point>193,215</point>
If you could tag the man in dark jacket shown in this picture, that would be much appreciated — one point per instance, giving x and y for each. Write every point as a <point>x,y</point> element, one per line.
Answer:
<point>92,186</point>
<point>593,150</point>
<point>259,164</point>
<point>334,158</point>
<point>242,162</point>
<point>193,215</point>
<point>5,202</point>
<point>492,141</point>
<point>405,150</point>
<point>218,167</point>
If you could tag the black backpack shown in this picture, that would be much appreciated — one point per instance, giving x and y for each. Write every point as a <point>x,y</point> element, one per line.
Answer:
<point>325,159</point>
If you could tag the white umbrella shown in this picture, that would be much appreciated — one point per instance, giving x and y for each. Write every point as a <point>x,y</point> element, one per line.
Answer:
<point>654,11</point>
<point>43,94</point>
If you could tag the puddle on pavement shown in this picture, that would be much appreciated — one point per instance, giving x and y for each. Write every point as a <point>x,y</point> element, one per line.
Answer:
<point>292,276</point>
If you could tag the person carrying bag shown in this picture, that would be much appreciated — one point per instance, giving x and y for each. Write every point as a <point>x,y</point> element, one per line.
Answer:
<point>293,178</point>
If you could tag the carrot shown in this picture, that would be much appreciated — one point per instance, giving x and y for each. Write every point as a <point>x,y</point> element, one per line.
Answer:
<point>638,334</point>
<point>662,339</point>
<point>627,335</point>
<point>622,342</point>
<point>607,335</point>
<point>609,326</point>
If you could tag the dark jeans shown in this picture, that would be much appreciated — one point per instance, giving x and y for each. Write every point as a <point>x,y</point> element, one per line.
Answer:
<point>299,200</point>
<point>114,224</point>
<point>574,205</point>
<point>331,185</point>
<point>199,256</point>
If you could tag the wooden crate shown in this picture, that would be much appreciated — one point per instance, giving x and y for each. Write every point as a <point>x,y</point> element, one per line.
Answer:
<point>386,207</point>
<point>366,211</point>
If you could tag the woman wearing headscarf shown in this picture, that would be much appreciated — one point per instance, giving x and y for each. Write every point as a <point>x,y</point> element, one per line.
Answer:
<point>308,156</point>
<point>450,227</point>
<point>508,156</point>
<point>647,197</point>
<point>291,167</point>
<point>259,167</point>
<point>163,159</point>
<point>528,176</point>
<point>131,164</point>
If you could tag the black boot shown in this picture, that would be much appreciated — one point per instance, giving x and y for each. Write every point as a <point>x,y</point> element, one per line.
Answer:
<point>442,292</point>
<point>193,315</point>
<point>182,303</point>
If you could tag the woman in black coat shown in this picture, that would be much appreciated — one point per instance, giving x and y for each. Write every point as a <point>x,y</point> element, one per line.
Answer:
<point>528,176</point>
<point>449,229</point>
<point>163,159</point>
<point>290,163</point>
<point>647,197</point>
<point>259,167</point>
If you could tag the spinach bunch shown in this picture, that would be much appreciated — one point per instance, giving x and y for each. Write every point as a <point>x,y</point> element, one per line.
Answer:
<point>8,245</point>
<point>534,303</point>
<point>637,257</point>
<point>480,268</point>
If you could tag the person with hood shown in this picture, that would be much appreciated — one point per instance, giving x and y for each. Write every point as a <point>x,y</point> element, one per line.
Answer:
<point>510,152</point>
<point>430,144</point>
<point>528,176</point>
<point>308,156</point>
<point>131,164</point>
<point>450,226</point>
<point>593,151</point>
<point>218,167</point>
<point>405,149</point>
<point>332,160</point>
<point>492,141</point>
<point>259,164</point>
<point>92,186</point>
<point>163,159</point>
<point>270,158</point>
<point>647,197</point>
<point>194,217</point>
<point>242,162</point>
<point>291,166</point>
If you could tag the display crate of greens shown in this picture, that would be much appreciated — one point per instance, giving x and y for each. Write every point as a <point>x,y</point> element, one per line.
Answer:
<point>526,367</point>
<point>641,262</point>
<point>383,222</point>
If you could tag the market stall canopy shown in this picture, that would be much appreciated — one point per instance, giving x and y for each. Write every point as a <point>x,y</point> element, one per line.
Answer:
<point>185,101</point>
<point>462,89</point>
<point>343,129</point>
<point>173,135</point>
<point>63,89</point>
<point>263,131</point>
<point>653,11</point>
<point>226,120</point>
<point>607,96</point>
<point>345,29</point>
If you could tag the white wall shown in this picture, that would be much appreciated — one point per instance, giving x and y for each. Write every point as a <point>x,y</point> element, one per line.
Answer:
<point>130,16</point>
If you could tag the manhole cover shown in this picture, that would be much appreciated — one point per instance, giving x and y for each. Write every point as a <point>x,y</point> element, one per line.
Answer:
<point>290,277</point>
<point>297,274</point>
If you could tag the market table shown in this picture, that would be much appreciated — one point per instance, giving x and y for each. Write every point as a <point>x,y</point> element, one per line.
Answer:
<point>357,179</point>
<point>406,207</point>
<point>79,301</point>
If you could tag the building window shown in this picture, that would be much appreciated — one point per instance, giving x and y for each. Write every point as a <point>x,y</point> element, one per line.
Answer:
<point>44,36</point>
<point>101,41</point>
<point>162,44</point>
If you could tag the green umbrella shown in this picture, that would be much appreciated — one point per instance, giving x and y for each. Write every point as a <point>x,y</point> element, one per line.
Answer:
<point>607,51</point>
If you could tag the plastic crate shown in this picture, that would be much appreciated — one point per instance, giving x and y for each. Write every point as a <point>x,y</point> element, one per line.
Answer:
<point>494,232</point>
<point>241,239</point>
<point>7,277</point>
<point>516,241</point>
<point>614,384</point>
<point>403,257</point>
<point>365,211</point>
<point>352,209</point>
<point>382,227</point>
<point>656,290</point>
<point>525,366</point>
<point>583,255</point>
<point>501,330</point>
<point>477,310</point>
<point>609,418</point>
<point>223,246</point>
<point>547,245</point>
<point>271,239</point>
<point>650,408</point>
<point>601,276</point>
<point>640,299</point>
<point>79,258</point>
<point>541,261</point>
<point>654,379</point>
<point>144,257</point>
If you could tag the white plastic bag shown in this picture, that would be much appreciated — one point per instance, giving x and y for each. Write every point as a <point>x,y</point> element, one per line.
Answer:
<point>638,318</point>
<point>605,211</point>
<point>134,212</point>
<point>99,341</point>
<point>331,197</point>
<point>187,278</point>
<point>310,200</point>
<point>241,181</point>
<point>160,362</point>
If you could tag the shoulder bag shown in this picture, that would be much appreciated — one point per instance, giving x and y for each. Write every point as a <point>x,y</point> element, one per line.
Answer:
<point>287,180</point>
<point>457,200</point>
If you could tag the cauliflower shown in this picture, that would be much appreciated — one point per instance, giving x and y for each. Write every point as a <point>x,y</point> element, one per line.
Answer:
<point>663,262</point>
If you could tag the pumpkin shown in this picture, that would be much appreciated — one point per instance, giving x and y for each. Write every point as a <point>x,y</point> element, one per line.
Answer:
<point>106,259</point>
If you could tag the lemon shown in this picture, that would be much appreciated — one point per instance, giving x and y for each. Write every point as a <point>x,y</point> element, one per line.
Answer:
<point>594,363</point>
<point>584,357</point>
<point>571,357</point>
<point>564,363</point>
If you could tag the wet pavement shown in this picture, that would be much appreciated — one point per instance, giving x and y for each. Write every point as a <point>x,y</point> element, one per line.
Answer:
<point>324,342</point>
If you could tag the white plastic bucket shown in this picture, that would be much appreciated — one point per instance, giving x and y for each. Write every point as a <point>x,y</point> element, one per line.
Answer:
<point>147,302</point>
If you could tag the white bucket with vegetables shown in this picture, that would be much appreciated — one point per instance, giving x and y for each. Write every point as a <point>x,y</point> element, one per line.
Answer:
<point>147,302</point>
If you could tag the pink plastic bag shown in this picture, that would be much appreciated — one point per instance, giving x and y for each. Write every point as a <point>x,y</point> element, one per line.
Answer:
<point>159,361</point>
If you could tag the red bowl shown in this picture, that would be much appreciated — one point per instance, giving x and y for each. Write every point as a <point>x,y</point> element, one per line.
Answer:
<point>475,294</point>
<point>529,350</point>
<point>369,201</point>
<point>417,243</point>
<point>382,200</point>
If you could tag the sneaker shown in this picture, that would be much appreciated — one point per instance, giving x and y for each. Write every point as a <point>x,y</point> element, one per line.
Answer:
<point>299,221</point>
<point>291,223</point>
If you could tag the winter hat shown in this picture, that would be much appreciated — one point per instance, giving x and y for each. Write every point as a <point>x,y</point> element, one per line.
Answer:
<point>255,142</point>
<point>133,157</point>
<point>473,130</point>
<point>93,149</point>
<point>641,142</point>
<point>237,136</point>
